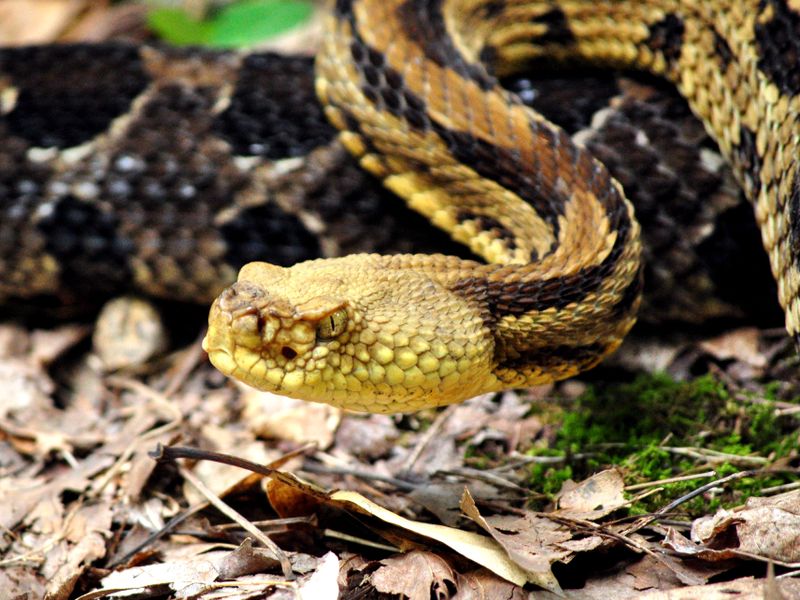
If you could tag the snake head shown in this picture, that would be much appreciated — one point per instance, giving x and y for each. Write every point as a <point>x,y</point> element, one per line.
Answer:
<point>272,340</point>
<point>358,332</point>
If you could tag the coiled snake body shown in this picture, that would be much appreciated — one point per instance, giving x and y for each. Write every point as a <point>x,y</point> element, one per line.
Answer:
<point>411,85</point>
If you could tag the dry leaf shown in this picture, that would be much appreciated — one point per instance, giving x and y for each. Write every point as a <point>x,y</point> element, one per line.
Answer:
<point>531,541</point>
<point>443,499</point>
<point>744,588</point>
<point>246,560</point>
<point>768,527</point>
<point>192,572</point>
<point>25,22</point>
<point>81,544</point>
<point>739,344</point>
<point>277,417</point>
<point>593,498</point>
<point>19,582</point>
<point>485,585</point>
<point>367,436</point>
<point>185,578</point>
<point>323,583</point>
<point>481,550</point>
<point>415,575</point>
<point>293,498</point>
<point>685,547</point>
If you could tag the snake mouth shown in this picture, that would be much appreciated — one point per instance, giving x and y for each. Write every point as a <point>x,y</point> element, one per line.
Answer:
<point>233,326</point>
<point>221,357</point>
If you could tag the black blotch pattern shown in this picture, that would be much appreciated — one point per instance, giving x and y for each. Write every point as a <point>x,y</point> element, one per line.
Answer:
<point>631,294</point>
<point>553,356</point>
<point>666,36</point>
<point>554,96</point>
<point>722,49</point>
<point>343,8</point>
<point>274,111</point>
<point>84,239</point>
<point>748,159</point>
<point>385,87</point>
<point>267,233</point>
<point>68,94</point>
<point>516,298</point>
<point>779,46</point>
<point>732,256</point>
<point>794,218</point>
<point>506,168</point>
<point>363,216</point>
<point>425,26</point>
<point>558,31</point>
<point>493,8</point>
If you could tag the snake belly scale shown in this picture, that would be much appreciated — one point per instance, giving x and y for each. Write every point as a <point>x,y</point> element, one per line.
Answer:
<point>411,85</point>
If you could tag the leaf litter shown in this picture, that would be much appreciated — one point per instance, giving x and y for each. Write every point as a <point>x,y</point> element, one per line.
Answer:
<point>438,504</point>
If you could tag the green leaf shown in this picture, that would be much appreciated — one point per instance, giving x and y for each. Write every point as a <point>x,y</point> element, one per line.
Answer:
<point>177,27</point>
<point>236,25</point>
<point>248,22</point>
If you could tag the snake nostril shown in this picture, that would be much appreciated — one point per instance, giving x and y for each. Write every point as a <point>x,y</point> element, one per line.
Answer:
<point>288,353</point>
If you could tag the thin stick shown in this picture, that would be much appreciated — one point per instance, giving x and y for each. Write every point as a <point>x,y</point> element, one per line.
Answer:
<point>234,515</point>
<point>357,540</point>
<point>432,431</point>
<point>641,486</point>
<point>643,522</point>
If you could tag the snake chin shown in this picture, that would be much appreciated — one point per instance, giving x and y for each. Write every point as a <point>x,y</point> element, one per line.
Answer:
<point>336,331</point>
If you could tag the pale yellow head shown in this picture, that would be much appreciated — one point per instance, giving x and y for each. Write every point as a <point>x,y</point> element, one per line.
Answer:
<point>360,332</point>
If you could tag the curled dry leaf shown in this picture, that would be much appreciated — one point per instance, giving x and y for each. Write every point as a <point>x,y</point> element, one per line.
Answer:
<point>246,560</point>
<point>685,547</point>
<point>767,527</point>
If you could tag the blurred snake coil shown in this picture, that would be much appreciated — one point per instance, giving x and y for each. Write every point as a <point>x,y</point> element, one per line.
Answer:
<point>412,86</point>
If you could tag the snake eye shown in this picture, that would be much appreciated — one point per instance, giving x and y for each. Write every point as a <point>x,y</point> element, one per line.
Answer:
<point>332,326</point>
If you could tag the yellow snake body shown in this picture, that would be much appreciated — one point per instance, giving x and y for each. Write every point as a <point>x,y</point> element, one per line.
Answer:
<point>411,85</point>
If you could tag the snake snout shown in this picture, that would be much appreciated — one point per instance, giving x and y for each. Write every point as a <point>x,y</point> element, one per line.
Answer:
<point>241,298</point>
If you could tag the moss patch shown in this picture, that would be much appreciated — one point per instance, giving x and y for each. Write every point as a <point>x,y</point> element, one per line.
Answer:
<point>655,428</point>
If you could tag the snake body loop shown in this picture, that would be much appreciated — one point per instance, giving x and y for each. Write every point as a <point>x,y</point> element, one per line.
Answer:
<point>412,86</point>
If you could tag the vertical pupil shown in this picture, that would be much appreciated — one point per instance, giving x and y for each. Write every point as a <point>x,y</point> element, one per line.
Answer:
<point>333,324</point>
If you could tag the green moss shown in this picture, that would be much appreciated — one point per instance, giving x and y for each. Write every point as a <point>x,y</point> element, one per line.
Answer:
<point>655,428</point>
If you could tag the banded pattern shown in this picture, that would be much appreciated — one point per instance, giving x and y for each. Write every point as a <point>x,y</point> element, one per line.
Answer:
<point>411,85</point>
